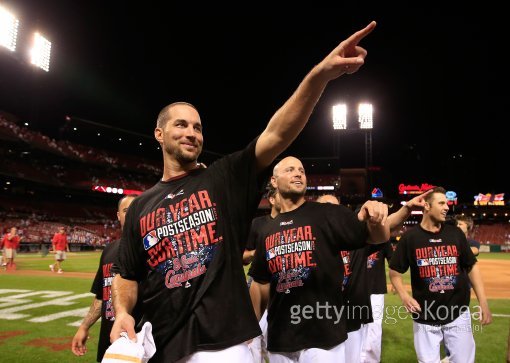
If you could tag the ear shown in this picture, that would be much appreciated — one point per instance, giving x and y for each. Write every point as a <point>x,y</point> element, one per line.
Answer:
<point>426,206</point>
<point>273,182</point>
<point>158,134</point>
<point>118,216</point>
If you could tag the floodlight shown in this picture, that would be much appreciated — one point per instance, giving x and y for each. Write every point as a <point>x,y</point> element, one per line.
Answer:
<point>340,117</point>
<point>41,52</point>
<point>8,29</point>
<point>365,116</point>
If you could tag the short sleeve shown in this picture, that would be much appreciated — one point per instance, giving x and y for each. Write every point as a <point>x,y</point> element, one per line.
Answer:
<point>400,260</point>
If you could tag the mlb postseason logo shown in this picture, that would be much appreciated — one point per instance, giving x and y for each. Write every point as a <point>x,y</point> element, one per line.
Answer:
<point>150,240</point>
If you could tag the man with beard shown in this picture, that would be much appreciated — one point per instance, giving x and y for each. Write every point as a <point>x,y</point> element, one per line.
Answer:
<point>297,270</point>
<point>185,236</point>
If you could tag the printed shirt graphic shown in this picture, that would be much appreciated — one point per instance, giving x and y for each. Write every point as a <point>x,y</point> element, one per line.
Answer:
<point>101,287</point>
<point>376,267</point>
<point>183,239</point>
<point>298,253</point>
<point>354,286</point>
<point>439,265</point>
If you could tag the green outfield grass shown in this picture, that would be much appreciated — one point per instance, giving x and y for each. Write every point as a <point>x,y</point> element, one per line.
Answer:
<point>28,338</point>
<point>75,262</point>
<point>491,340</point>
<point>39,341</point>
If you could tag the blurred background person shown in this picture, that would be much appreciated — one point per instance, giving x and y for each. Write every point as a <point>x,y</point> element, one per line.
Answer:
<point>60,246</point>
<point>10,243</point>
<point>465,223</point>
<point>102,306</point>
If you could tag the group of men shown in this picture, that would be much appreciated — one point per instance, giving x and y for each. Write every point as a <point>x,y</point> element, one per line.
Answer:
<point>181,251</point>
<point>10,243</point>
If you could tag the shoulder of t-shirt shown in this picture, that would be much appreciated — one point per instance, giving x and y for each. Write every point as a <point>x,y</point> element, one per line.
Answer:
<point>111,245</point>
<point>324,206</point>
<point>448,228</point>
<point>250,149</point>
<point>473,242</point>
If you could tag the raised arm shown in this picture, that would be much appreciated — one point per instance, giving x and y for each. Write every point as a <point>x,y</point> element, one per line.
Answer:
<point>124,296</point>
<point>291,118</point>
<point>396,219</point>
<point>476,281</point>
<point>375,214</point>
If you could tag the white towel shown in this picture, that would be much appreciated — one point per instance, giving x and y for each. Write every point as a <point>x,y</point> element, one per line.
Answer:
<point>125,350</point>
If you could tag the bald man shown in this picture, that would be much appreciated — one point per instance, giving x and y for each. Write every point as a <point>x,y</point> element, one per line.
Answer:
<point>297,268</point>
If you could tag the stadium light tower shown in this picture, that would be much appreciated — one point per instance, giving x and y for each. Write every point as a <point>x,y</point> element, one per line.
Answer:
<point>339,123</point>
<point>41,52</point>
<point>340,117</point>
<point>8,29</point>
<point>366,124</point>
<point>365,112</point>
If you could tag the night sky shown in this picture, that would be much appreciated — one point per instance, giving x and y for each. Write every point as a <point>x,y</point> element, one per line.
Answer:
<point>437,81</point>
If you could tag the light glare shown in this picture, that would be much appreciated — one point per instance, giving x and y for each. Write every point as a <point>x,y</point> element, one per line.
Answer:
<point>340,117</point>
<point>8,29</point>
<point>365,116</point>
<point>41,52</point>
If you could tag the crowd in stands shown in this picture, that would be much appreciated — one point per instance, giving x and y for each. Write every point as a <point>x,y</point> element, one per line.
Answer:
<point>61,163</point>
<point>11,131</point>
<point>498,233</point>
<point>32,230</point>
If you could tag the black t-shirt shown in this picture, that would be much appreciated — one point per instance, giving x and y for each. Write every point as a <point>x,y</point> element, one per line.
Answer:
<point>188,234</point>
<point>299,254</point>
<point>256,225</point>
<point>376,267</point>
<point>101,287</point>
<point>439,265</point>
<point>354,286</point>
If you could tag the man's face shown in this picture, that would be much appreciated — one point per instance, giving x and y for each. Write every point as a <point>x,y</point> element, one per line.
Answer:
<point>182,136</point>
<point>463,226</point>
<point>438,207</point>
<point>123,208</point>
<point>290,178</point>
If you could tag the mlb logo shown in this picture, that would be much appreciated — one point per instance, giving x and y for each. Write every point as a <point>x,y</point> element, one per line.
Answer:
<point>150,240</point>
<point>422,262</point>
<point>270,254</point>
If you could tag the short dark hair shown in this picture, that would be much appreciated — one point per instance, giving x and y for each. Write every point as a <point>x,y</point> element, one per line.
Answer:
<point>271,191</point>
<point>466,219</point>
<point>164,114</point>
<point>435,190</point>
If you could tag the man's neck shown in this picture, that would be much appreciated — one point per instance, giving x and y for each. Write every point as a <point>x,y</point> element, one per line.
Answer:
<point>173,169</point>
<point>289,204</point>
<point>430,225</point>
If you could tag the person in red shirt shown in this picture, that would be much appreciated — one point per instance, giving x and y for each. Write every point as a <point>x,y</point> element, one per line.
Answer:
<point>10,242</point>
<point>60,247</point>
